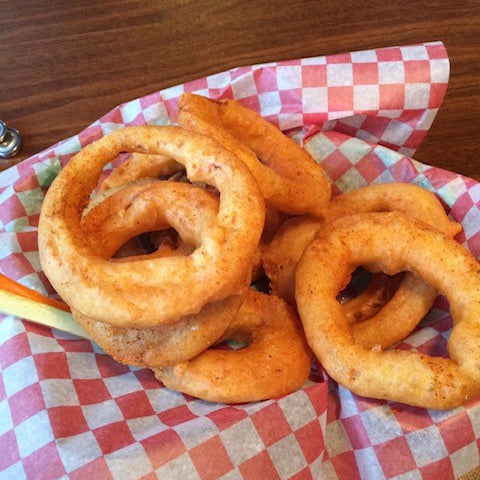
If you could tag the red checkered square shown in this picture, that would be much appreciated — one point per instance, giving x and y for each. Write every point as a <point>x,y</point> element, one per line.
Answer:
<point>356,432</point>
<point>163,447</point>
<point>259,466</point>
<point>389,54</point>
<point>77,345</point>
<point>26,403</point>
<point>9,449</point>
<point>15,266</point>
<point>14,349</point>
<point>345,466</point>
<point>25,169</point>
<point>51,365</point>
<point>67,421</point>
<point>91,391</point>
<point>473,243</point>
<point>436,51</point>
<point>365,73</point>
<point>91,134</point>
<point>265,80</point>
<point>403,171</point>
<point>411,418</point>
<point>271,424</point>
<point>225,417</point>
<point>461,206</point>
<point>203,454</point>
<point>340,99</point>
<point>441,470</point>
<point>291,101</point>
<point>147,379</point>
<point>314,75</point>
<point>339,58</point>
<point>375,125</point>
<point>177,415</point>
<point>26,184</point>
<point>370,167</point>
<point>310,439</point>
<point>417,71</point>
<point>135,405</point>
<point>395,457</point>
<point>195,85</point>
<point>437,93</point>
<point>11,209</point>
<point>318,397</point>
<point>38,329</point>
<point>28,241</point>
<point>109,367</point>
<point>392,97</point>
<point>304,474</point>
<point>44,463</point>
<point>336,165</point>
<point>251,102</point>
<point>113,437</point>
<point>457,431</point>
<point>415,138</point>
<point>435,347</point>
<point>96,469</point>
<point>34,219</point>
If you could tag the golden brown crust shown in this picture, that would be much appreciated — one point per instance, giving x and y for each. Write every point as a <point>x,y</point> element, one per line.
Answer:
<point>115,292</point>
<point>391,242</point>
<point>413,298</point>
<point>145,205</point>
<point>290,180</point>
<point>276,361</point>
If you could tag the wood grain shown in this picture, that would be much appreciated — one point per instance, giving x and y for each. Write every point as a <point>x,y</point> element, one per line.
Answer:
<point>64,64</point>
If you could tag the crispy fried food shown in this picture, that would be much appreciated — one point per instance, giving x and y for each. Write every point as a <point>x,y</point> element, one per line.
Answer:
<point>413,298</point>
<point>107,226</point>
<point>367,303</point>
<point>290,180</point>
<point>116,292</point>
<point>138,166</point>
<point>391,242</point>
<point>275,362</point>
<point>166,344</point>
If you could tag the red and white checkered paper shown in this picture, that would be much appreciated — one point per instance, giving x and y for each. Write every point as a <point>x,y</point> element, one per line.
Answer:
<point>67,410</point>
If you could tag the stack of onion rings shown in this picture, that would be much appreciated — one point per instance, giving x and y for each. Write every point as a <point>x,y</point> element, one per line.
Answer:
<point>290,180</point>
<point>413,298</point>
<point>116,292</point>
<point>158,271</point>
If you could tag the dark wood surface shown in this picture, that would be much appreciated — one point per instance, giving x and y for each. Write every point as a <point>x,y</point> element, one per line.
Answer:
<point>64,64</point>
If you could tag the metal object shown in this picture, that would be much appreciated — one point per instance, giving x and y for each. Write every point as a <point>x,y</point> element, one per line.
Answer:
<point>10,141</point>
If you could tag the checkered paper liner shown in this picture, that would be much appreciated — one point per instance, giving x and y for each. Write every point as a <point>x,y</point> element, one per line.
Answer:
<point>67,410</point>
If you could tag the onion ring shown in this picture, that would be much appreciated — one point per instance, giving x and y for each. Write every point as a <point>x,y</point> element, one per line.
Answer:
<point>137,166</point>
<point>392,242</point>
<point>276,361</point>
<point>140,166</point>
<point>108,224</point>
<point>115,292</point>
<point>413,298</point>
<point>290,180</point>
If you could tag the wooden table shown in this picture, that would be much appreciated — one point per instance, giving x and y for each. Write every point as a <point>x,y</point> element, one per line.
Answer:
<point>63,65</point>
